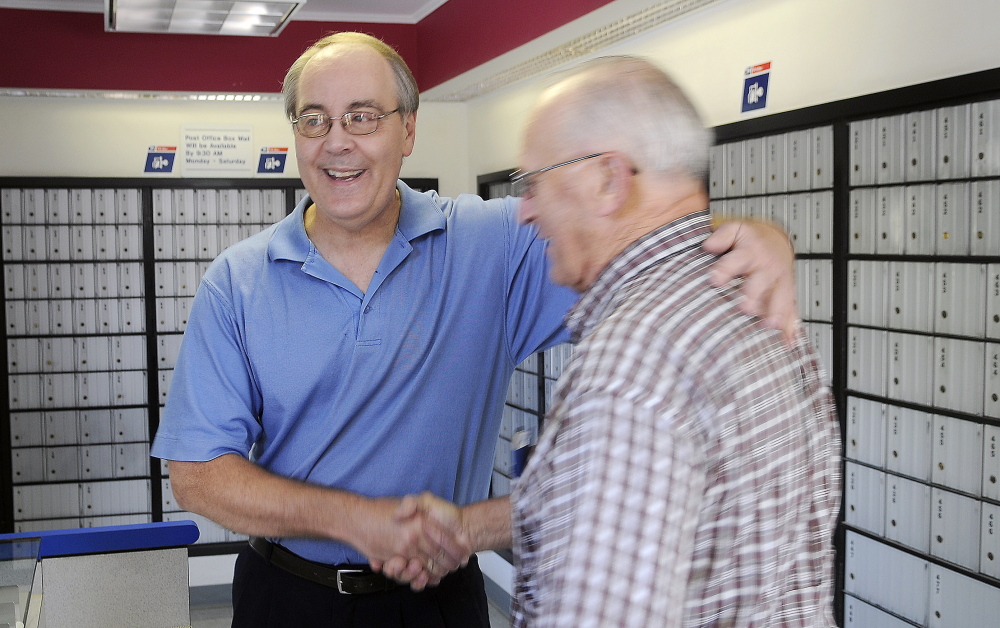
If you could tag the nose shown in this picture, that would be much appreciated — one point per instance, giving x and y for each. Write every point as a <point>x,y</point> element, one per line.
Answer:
<point>338,140</point>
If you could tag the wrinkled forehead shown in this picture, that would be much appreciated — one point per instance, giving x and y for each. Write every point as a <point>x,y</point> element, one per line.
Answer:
<point>356,60</point>
<point>346,74</point>
<point>544,135</point>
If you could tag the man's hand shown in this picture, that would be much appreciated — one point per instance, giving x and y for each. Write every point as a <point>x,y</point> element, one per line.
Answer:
<point>760,253</point>
<point>439,543</point>
<point>423,533</point>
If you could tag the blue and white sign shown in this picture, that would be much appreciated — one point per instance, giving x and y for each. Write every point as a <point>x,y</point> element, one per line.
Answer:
<point>160,159</point>
<point>272,160</point>
<point>755,87</point>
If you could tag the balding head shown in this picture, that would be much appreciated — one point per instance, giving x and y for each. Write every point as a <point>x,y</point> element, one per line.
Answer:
<point>611,152</point>
<point>406,86</point>
<point>629,105</point>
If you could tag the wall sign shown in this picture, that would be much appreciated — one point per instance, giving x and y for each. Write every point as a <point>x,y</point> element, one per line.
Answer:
<point>755,87</point>
<point>217,151</point>
<point>160,159</point>
<point>272,160</point>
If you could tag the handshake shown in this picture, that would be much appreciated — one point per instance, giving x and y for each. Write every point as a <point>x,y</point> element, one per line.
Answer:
<point>418,539</point>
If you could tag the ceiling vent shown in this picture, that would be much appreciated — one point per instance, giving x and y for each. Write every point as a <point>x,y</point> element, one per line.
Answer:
<point>201,17</point>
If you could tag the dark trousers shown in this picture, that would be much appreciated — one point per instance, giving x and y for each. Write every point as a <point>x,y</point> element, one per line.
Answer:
<point>265,596</point>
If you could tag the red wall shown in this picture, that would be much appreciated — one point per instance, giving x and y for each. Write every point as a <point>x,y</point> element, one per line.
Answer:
<point>462,34</point>
<point>61,50</point>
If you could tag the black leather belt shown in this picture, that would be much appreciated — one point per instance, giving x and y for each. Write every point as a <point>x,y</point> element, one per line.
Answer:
<point>351,579</point>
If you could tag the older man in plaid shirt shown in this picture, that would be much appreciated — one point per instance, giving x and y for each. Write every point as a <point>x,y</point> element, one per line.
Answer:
<point>689,472</point>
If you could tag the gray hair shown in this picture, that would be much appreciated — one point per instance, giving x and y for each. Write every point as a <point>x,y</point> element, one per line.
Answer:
<point>406,86</point>
<point>627,103</point>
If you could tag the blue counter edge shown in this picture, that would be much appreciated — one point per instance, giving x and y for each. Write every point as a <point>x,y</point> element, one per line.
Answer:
<point>100,540</point>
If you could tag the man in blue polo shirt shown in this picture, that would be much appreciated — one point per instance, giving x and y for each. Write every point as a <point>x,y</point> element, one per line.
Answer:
<point>355,352</point>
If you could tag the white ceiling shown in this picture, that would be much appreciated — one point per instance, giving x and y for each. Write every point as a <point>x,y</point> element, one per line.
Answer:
<point>378,11</point>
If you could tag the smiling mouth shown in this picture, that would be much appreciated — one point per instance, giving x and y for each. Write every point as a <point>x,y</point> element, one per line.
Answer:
<point>344,175</point>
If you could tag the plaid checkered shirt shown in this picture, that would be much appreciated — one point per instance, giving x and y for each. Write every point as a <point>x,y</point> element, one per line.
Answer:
<point>689,470</point>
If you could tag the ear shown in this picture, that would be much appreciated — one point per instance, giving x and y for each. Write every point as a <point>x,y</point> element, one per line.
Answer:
<point>617,179</point>
<point>410,133</point>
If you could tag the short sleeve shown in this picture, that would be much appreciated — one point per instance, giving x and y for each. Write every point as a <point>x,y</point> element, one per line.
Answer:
<point>212,404</point>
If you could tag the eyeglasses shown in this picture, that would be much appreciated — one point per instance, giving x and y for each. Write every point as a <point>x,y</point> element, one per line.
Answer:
<point>523,183</point>
<point>354,122</point>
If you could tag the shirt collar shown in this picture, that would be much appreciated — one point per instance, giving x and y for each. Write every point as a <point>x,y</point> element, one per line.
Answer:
<point>654,248</point>
<point>419,215</point>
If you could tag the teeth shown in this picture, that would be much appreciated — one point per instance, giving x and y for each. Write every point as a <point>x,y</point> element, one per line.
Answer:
<point>344,174</point>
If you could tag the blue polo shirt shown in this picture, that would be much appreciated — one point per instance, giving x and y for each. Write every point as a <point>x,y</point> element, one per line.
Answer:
<point>384,393</point>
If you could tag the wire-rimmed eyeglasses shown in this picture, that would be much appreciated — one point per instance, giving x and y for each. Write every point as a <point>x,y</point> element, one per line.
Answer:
<point>354,122</point>
<point>522,183</point>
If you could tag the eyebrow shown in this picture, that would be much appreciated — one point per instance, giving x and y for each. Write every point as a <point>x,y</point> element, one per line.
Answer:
<point>370,104</point>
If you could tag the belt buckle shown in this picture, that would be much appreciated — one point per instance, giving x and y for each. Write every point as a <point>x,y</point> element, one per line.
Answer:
<point>340,584</point>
